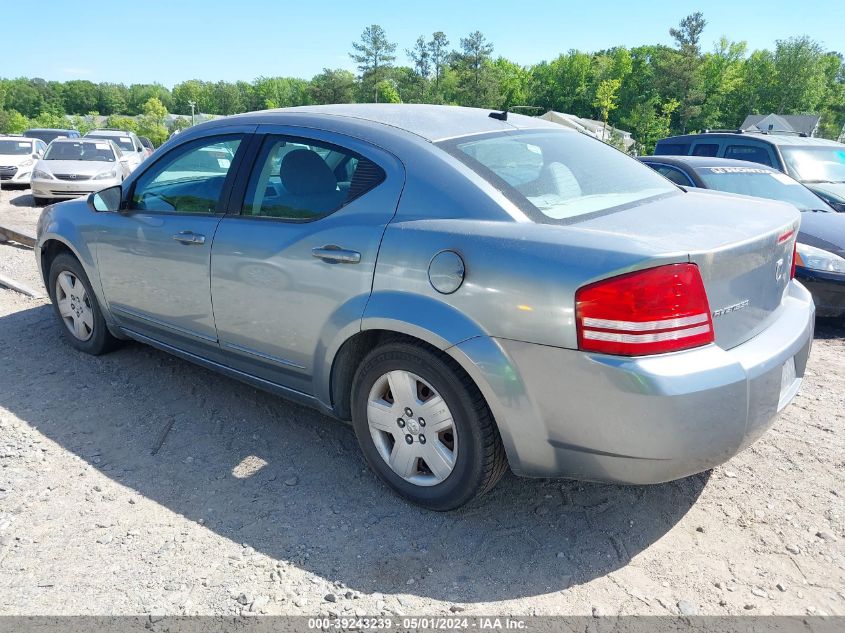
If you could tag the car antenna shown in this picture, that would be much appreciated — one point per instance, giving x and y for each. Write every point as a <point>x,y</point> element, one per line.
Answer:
<point>501,116</point>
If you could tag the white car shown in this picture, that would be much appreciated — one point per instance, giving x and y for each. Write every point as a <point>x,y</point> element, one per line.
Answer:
<point>128,142</point>
<point>18,154</point>
<point>76,167</point>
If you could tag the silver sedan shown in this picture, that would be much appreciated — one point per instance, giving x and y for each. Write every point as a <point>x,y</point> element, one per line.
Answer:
<point>472,290</point>
<point>77,167</point>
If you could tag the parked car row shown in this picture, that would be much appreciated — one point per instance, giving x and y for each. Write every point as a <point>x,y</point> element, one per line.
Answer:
<point>768,162</point>
<point>474,291</point>
<point>71,165</point>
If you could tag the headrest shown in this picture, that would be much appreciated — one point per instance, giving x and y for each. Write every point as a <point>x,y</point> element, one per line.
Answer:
<point>303,172</point>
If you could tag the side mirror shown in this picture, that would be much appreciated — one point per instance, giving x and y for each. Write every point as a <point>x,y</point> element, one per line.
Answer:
<point>140,149</point>
<point>106,200</point>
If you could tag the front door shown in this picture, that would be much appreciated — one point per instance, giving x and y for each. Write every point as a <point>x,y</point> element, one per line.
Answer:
<point>154,256</point>
<point>296,264</point>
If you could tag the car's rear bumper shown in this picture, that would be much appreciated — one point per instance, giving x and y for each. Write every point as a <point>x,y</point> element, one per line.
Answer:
<point>642,420</point>
<point>828,290</point>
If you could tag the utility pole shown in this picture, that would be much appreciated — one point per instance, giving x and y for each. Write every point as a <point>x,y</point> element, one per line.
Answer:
<point>193,104</point>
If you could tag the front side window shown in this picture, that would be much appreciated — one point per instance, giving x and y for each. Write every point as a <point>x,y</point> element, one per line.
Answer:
<point>187,180</point>
<point>749,153</point>
<point>675,175</point>
<point>561,175</point>
<point>300,179</point>
<point>816,164</point>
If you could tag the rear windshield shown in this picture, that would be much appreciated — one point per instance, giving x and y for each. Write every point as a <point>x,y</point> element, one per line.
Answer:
<point>49,135</point>
<point>16,147</point>
<point>123,142</point>
<point>671,149</point>
<point>816,164</point>
<point>761,183</point>
<point>558,176</point>
<point>82,150</point>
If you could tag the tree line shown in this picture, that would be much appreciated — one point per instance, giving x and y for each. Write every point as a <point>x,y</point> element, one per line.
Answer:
<point>651,90</point>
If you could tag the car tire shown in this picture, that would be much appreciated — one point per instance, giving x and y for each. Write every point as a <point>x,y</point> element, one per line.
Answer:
<point>77,308</point>
<point>39,202</point>
<point>463,443</point>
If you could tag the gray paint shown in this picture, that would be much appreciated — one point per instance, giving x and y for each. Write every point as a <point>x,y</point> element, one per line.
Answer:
<point>254,303</point>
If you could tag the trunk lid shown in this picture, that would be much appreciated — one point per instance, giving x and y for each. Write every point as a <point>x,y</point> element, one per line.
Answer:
<point>742,246</point>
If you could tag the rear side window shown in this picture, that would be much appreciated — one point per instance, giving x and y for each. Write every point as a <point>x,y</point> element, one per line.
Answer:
<point>750,153</point>
<point>672,149</point>
<point>299,179</point>
<point>558,176</point>
<point>706,149</point>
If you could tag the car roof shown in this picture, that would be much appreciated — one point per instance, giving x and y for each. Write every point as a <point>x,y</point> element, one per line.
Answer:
<point>699,162</point>
<point>773,139</point>
<point>431,122</point>
<point>82,139</point>
<point>13,137</point>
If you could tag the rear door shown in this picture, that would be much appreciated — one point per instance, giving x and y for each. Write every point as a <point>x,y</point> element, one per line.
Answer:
<point>294,263</point>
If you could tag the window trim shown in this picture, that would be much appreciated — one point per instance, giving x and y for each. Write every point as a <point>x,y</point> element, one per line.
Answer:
<point>690,182</point>
<point>182,148</point>
<point>238,196</point>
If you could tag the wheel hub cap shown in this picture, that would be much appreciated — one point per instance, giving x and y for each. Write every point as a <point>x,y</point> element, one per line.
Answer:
<point>74,305</point>
<point>412,428</point>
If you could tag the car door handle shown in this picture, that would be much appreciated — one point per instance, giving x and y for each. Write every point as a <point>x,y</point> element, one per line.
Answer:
<point>189,237</point>
<point>336,254</point>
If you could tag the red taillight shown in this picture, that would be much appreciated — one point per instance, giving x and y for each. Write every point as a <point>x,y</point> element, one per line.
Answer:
<point>649,311</point>
<point>795,258</point>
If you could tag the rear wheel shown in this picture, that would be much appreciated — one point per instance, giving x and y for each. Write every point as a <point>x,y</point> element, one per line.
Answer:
<point>424,427</point>
<point>76,307</point>
<point>39,202</point>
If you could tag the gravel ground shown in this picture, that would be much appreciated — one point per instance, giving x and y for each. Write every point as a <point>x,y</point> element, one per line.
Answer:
<point>137,483</point>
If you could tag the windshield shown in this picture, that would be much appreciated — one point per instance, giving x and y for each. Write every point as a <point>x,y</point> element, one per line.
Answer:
<point>123,142</point>
<point>816,164</point>
<point>80,150</point>
<point>761,183</point>
<point>16,148</point>
<point>561,175</point>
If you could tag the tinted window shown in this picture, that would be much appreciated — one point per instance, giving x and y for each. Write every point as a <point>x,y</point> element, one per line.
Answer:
<point>706,149</point>
<point>558,175</point>
<point>675,175</point>
<point>750,153</point>
<point>762,183</point>
<point>300,180</point>
<point>672,149</point>
<point>187,180</point>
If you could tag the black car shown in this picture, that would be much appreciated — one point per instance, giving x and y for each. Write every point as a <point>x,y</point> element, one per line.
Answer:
<point>820,262</point>
<point>815,162</point>
<point>48,134</point>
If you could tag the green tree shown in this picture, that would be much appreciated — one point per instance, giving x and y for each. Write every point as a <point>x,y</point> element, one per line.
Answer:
<point>438,51</point>
<point>332,86</point>
<point>13,122</point>
<point>373,54</point>
<point>607,96</point>
<point>111,99</point>
<point>152,123</point>
<point>477,84</point>
<point>81,96</point>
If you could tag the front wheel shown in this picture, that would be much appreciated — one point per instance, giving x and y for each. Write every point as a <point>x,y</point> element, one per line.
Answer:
<point>424,427</point>
<point>76,307</point>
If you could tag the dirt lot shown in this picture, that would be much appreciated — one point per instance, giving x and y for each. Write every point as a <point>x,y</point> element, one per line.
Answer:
<point>251,504</point>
